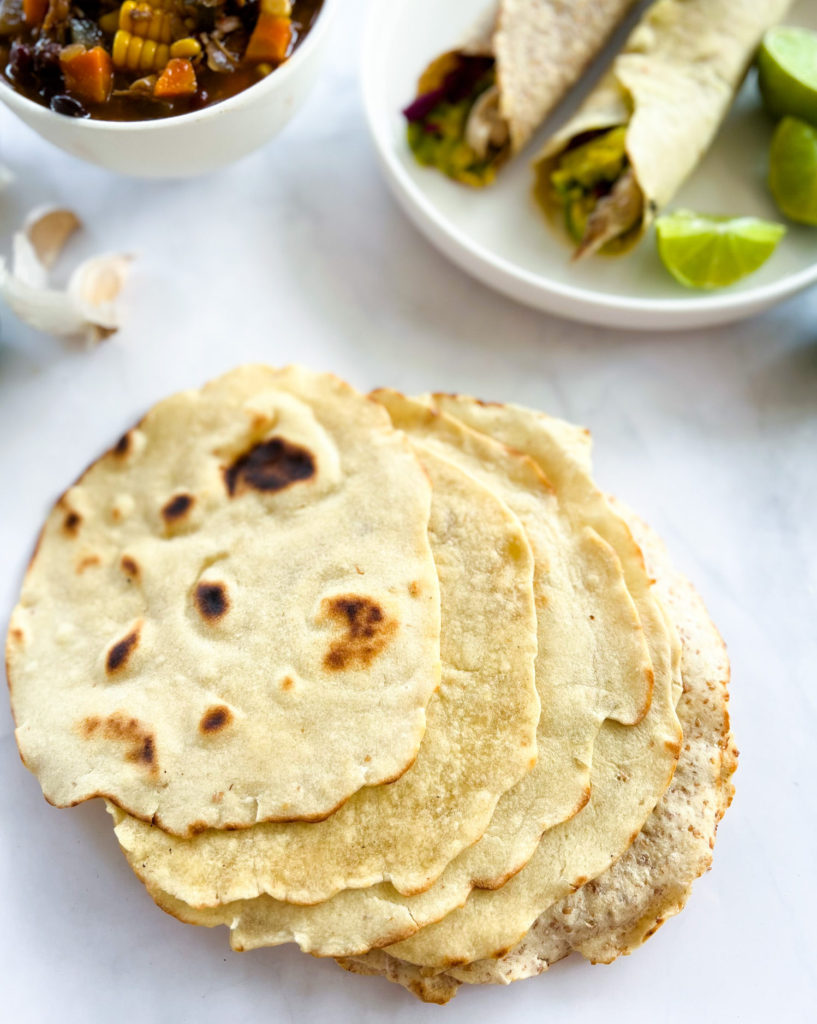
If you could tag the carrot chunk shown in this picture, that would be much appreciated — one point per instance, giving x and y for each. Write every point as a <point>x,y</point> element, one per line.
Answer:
<point>34,11</point>
<point>270,39</point>
<point>177,79</point>
<point>88,74</point>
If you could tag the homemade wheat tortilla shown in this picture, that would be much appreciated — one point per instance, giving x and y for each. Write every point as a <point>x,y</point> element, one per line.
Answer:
<point>625,905</point>
<point>234,615</point>
<point>564,453</point>
<point>480,739</point>
<point>632,766</point>
<point>672,86</point>
<point>596,659</point>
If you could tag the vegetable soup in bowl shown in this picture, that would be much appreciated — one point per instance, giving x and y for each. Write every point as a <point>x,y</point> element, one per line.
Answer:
<point>160,88</point>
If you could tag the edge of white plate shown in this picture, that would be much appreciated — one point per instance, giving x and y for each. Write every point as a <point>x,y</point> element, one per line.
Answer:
<point>580,304</point>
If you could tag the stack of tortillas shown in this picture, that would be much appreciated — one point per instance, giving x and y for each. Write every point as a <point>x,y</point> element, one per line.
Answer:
<point>386,677</point>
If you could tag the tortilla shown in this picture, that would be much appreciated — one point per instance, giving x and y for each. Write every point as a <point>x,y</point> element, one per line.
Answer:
<point>626,905</point>
<point>597,659</point>
<point>672,86</point>
<point>540,49</point>
<point>564,453</point>
<point>632,766</point>
<point>480,740</point>
<point>233,616</point>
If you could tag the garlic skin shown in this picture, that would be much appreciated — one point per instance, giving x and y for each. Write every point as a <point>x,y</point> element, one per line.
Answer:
<point>87,307</point>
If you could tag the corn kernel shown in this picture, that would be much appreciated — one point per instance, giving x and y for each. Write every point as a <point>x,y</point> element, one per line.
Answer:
<point>119,50</point>
<point>189,48</point>
<point>110,22</point>
<point>125,19</point>
<point>277,8</point>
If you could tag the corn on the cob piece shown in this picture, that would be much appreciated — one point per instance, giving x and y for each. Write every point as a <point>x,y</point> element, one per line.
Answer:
<point>148,36</point>
<point>145,20</point>
<point>134,53</point>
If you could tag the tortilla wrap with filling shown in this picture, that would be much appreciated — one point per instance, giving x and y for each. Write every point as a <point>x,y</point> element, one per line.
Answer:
<point>479,104</point>
<point>645,127</point>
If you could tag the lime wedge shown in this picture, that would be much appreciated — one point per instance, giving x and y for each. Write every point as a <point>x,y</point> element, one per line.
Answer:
<point>714,252</point>
<point>787,69</point>
<point>793,170</point>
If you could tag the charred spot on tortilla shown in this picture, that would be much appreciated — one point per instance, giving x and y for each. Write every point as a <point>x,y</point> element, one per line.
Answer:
<point>122,446</point>
<point>177,507</point>
<point>71,523</point>
<point>120,728</point>
<point>119,655</point>
<point>146,753</point>
<point>129,567</point>
<point>212,600</point>
<point>269,466</point>
<point>366,631</point>
<point>215,719</point>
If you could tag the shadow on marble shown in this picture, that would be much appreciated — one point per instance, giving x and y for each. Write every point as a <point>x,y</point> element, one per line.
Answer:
<point>785,389</point>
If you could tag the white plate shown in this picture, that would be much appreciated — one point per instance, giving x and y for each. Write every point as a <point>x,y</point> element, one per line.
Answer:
<point>498,235</point>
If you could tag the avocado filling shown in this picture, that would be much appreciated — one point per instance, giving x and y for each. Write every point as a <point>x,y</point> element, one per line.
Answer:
<point>595,185</point>
<point>454,124</point>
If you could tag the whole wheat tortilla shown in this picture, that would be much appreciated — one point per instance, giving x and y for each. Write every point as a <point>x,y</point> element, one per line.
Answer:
<point>672,85</point>
<point>234,615</point>
<point>626,905</point>
<point>541,48</point>
<point>480,740</point>
<point>597,659</point>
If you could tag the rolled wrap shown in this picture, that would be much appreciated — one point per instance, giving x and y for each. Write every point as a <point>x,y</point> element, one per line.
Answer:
<point>672,86</point>
<point>540,49</point>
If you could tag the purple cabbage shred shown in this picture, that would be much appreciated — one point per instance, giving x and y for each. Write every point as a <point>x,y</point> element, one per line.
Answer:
<point>457,85</point>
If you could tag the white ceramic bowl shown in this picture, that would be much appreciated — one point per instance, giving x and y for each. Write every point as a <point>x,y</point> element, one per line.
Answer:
<point>178,147</point>
<point>498,234</point>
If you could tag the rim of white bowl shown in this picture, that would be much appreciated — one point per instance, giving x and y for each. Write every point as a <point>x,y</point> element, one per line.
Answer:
<point>509,277</point>
<point>313,38</point>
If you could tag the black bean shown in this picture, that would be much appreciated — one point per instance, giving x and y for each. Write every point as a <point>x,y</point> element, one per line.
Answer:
<point>47,67</point>
<point>21,63</point>
<point>68,106</point>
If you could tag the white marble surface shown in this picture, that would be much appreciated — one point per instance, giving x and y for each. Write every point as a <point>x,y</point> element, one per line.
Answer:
<point>299,253</point>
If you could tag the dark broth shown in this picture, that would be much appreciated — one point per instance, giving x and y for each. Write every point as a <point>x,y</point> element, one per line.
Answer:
<point>47,86</point>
